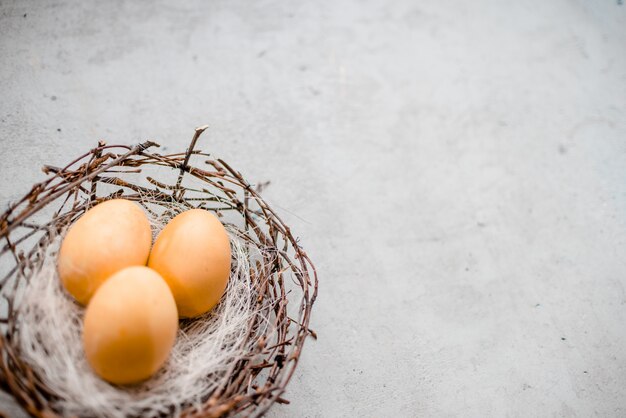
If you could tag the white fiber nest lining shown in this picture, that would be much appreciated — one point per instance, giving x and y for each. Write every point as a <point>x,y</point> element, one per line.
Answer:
<point>50,325</point>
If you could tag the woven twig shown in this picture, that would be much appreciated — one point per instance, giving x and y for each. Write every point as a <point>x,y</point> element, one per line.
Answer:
<point>258,378</point>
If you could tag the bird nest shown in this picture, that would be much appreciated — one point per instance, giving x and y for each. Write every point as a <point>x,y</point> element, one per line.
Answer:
<point>236,359</point>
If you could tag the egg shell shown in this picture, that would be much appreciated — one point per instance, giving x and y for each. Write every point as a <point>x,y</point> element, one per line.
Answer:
<point>109,237</point>
<point>130,326</point>
<point>192,254</point>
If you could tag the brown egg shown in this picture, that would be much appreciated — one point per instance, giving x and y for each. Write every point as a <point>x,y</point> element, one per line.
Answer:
<point>109,237</point>
<point>130,326</point>
<point>192,254</point>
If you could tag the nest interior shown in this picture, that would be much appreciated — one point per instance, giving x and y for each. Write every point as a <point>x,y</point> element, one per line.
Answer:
<point>282,278</point>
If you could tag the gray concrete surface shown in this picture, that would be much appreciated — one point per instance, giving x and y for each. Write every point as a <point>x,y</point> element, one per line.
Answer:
<point>456,169</point>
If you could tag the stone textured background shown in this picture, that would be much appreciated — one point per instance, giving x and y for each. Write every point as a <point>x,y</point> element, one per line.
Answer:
<point>457,170</point>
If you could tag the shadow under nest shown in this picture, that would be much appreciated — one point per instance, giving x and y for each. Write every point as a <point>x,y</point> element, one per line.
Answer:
<point>282,279</point>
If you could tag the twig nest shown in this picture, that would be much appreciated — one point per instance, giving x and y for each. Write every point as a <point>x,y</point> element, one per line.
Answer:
<point>235,359</point>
